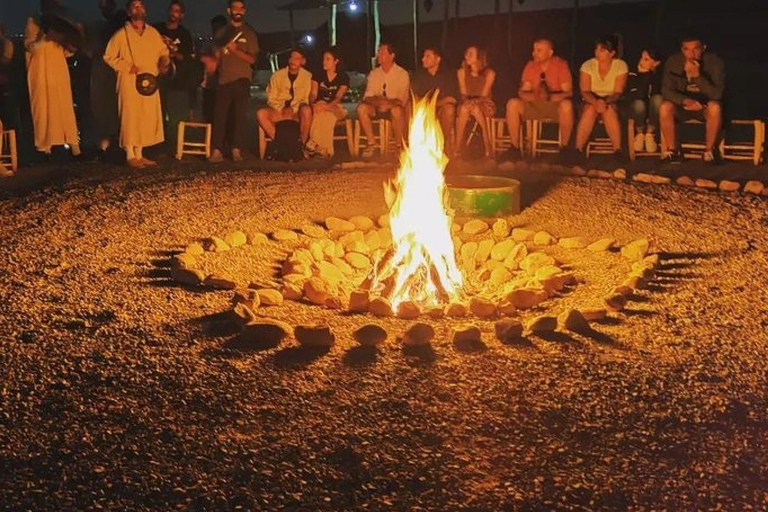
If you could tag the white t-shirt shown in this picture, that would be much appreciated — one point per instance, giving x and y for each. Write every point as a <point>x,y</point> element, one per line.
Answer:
<point>606,86</point>
<point>395,85</point>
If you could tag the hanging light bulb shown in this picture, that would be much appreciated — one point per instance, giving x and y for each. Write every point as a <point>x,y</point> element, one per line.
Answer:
<point>353,7</point>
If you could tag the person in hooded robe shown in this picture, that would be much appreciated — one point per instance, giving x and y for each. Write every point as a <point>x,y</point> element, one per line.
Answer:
<point>50,88</point>
<point>138,48</point>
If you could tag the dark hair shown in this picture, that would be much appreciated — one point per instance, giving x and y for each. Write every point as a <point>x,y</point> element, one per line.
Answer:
<point>390,47</point>
<point>482,59</point>
<point>229,4</point>
<point>334,51</point>
<point>434,49</point>
<point>689,38</point>
<point>129,2</point>
<point>218,22</point>
<point>610,43</point>
<point>545,40</point>
<point>297,50</point>
<point>179,3</point>
<point>652,51</point>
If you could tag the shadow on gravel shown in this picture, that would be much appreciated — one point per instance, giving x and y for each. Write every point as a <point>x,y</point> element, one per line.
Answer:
<point>216,325</point>
<point>601,338</point>
<point>609,320</point>
<point>470,346</point>
<point>298,357</point>
<point>420,353</point>
<point>360,356</point>
<point>240,344</point>
<point>521,342</point>
<point>640,312</point>
<point>557,337</point>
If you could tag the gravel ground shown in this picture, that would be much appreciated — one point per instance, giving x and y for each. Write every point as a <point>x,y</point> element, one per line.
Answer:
<point>120,390</point>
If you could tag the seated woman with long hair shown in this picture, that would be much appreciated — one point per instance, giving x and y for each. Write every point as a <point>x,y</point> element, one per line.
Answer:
<point>475,85</point>
<point>602,81</point>
<point>328,89</point>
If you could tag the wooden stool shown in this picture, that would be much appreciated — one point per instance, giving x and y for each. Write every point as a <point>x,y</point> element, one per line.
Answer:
<point>348,135</point>
<point>599,145</point>
<point>381,139</point>
<point>631,143</point>
<point>499,142</point>
<point>193,148</point>
<point>9,156</point>
<point>538,143</point>
<point>745,149</point>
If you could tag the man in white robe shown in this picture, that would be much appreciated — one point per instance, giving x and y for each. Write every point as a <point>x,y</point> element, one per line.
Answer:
<point>134,49</point>
<point>50,92</point>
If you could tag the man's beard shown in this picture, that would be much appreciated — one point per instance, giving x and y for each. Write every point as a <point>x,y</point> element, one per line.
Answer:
<point>138,17</point>
<point>237,18</point>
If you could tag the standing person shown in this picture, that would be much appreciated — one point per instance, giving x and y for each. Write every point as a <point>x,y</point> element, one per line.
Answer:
<point>545,92</point>
<point>328,89</point>
<point>643,99</point>
<point>602,81</point>
<point>386,94</point>
<point>8,103</point>
<point>50,88</point>
<point>210,63</point>
<point>434,77</point>
<point>178,93</point>
<point>135,49</point>
<point>238,46</point>
<point>103,78</point>
<point>288,95</point>
<point>692,85</point>
<point>476,86</point>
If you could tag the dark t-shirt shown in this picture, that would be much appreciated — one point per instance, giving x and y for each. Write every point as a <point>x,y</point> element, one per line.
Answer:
<point>327,89</point>
<point>643,85</point>
<point>424,82</point>
<point>179,40</point>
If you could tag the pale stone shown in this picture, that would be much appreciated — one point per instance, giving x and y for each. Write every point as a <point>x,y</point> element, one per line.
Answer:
<point>385,235</point>
<point>660,180</point>
<point>358,247</point>
<point>270,297</point>
<point>455,228</point>
<point>236,239</point>
<point>245,313</point>
<point>316,291</point>
<point>293,291</point>
<point>636,250</point>
<point>553,284</point>
<point>466,334</point>
<point>622,289</point>
<point>436,312</point>
<point>337,224</point>
<point>708,184</point>
<point>620,174</point>
<point>635,283</point>
<point>314,336</point>
<point>526,298</point>
<point>475,227</point>
<point>547,271</point>
<point>593,314</point>
<point>303,255</point>
<point>515,256</point>
<point>605,175</point>
<point>500,275</point>
<point>643,269</point>
<point>183,260</point>
<point>493,265</point>
<point>362,222</point>
<point>754,187</point>
<point>501,250</point>
<point>456,310</point>
<point>357,260</point>
<point>329,273</point>
<point>508,330</point>
<point>482,307</point>
<point>359,301</point>
<point>543,238</point>
<point>535,261</point>
<point>543,323</point>
<point>468,251</point>
<point>314,231</point>
<point>257,238</point>
<point>500,228</point>
<point>572,320</point>
<point>615,302</point>
<point>347,239</point>
<point>265,331</point>
<point>380,306</point>
<point>383,220</point>
<point>652,260</point>
<point>685,181</point>
<point>522,235</point>
<point>729,186</point>
<point>333,302</point>
<point>457,244</point>
<point>338,250</point>
<point>343,266</point>
<point>604,244</point>
<point>418,334</point>
<point>484,250</point>
<point>189,276</point>
<point>285,235</point>
<point>316,250</point>
<point>196,249</point>
<point>643,177</point>
<point>295,266</point>
<point>506,308</point>
<point>578,171</point>
<point>246,296</point>
<point>215,244</point>
<point>573,242</point>
<point>592,173</point>
<point>370,335</point>
<point>373,240</point>
<point>407,310</point>
<point>220,282</point>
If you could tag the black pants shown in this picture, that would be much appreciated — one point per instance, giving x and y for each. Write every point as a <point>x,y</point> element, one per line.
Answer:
<point>231,104</point>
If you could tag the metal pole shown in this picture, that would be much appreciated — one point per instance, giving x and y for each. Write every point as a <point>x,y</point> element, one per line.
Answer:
<point>446,16</point>
<point>377,30</point>
<point>290,21</point>
<point>368,33</point>
<point>332,24</point>
<point>416,33</point>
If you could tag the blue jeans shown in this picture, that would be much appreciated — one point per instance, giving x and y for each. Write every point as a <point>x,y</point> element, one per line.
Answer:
<point>645,112</point>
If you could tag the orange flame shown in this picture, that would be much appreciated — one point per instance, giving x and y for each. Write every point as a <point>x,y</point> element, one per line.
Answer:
<point>422,266</point>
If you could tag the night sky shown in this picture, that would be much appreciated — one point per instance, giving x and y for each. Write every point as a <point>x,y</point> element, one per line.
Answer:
<point>262,14</point>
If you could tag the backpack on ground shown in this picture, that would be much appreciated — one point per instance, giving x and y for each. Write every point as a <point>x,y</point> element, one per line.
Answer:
<point>286,146</point>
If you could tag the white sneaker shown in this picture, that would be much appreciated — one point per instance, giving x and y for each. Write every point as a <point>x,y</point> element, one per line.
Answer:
<point>637,144</point>
<point>368,152</point>
<point>650,143</point>
<point>5,172</point>
<point>708,156</point>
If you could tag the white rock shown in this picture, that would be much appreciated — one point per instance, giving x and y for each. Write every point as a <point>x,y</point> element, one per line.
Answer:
<point>543,238</point>
<point>314,335</point>
<point>535,260</point>
<point>729,186</point>
<point>526,298</point>
<point>270,297</point>
<point>316,291</point>
<point>257,238</point>
<point>285,235</point>
<point>522,235</point>
<point>572,320</point>
<point>359,301</point>
<point>543,323</point>
<point>685,181</point>
<point>380,306</point>
<point>500,228</point>
<point>708,184</point>
<point>636,250</point>
<point>573,242</point>
<point>418,334</point>
<point>196,249</point>
<point>481,307</point>
<point>362,222</point>
<point>188,276</point>
<point>215,244</point>
<point>508,330</point>
<point>484,250</point>
<point>337,224</point>
<point>469,334</point>
<point>370,335</point>
<point>236,239</point>
<point>754,187</point>
<point>604,244</point>
<point>475,227</point>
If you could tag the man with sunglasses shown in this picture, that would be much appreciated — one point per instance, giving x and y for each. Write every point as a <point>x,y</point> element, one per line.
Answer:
<point>545,93</point>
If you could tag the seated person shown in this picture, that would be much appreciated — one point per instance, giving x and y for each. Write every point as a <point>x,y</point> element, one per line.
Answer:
<point>4,171</point>
<point>545,92</point>
<point>475,86</point>
<point>386,93</point>
<point>288,97</point>
<point>692,85</point>
<point>602,81</point>
<point>328,89</point>
<point>643,99</point>
<point>433,77</point>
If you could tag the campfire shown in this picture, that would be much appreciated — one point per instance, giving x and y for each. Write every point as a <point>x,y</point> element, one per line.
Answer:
<point>420,267</point>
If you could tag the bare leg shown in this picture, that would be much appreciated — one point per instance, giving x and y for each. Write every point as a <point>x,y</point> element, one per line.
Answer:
<point>305,122</point>
<point>515,109</point>
<point>266,119</point>
<point>667,122</point>
<point>461,124</point>
<point>586,124</point>
<point>565,119</point>
<point>364,114</point>
<point>479,116</point>
<point>613,126</point>
<point>447,121</point>
<point>713,113</point>
<point>398,124</point>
